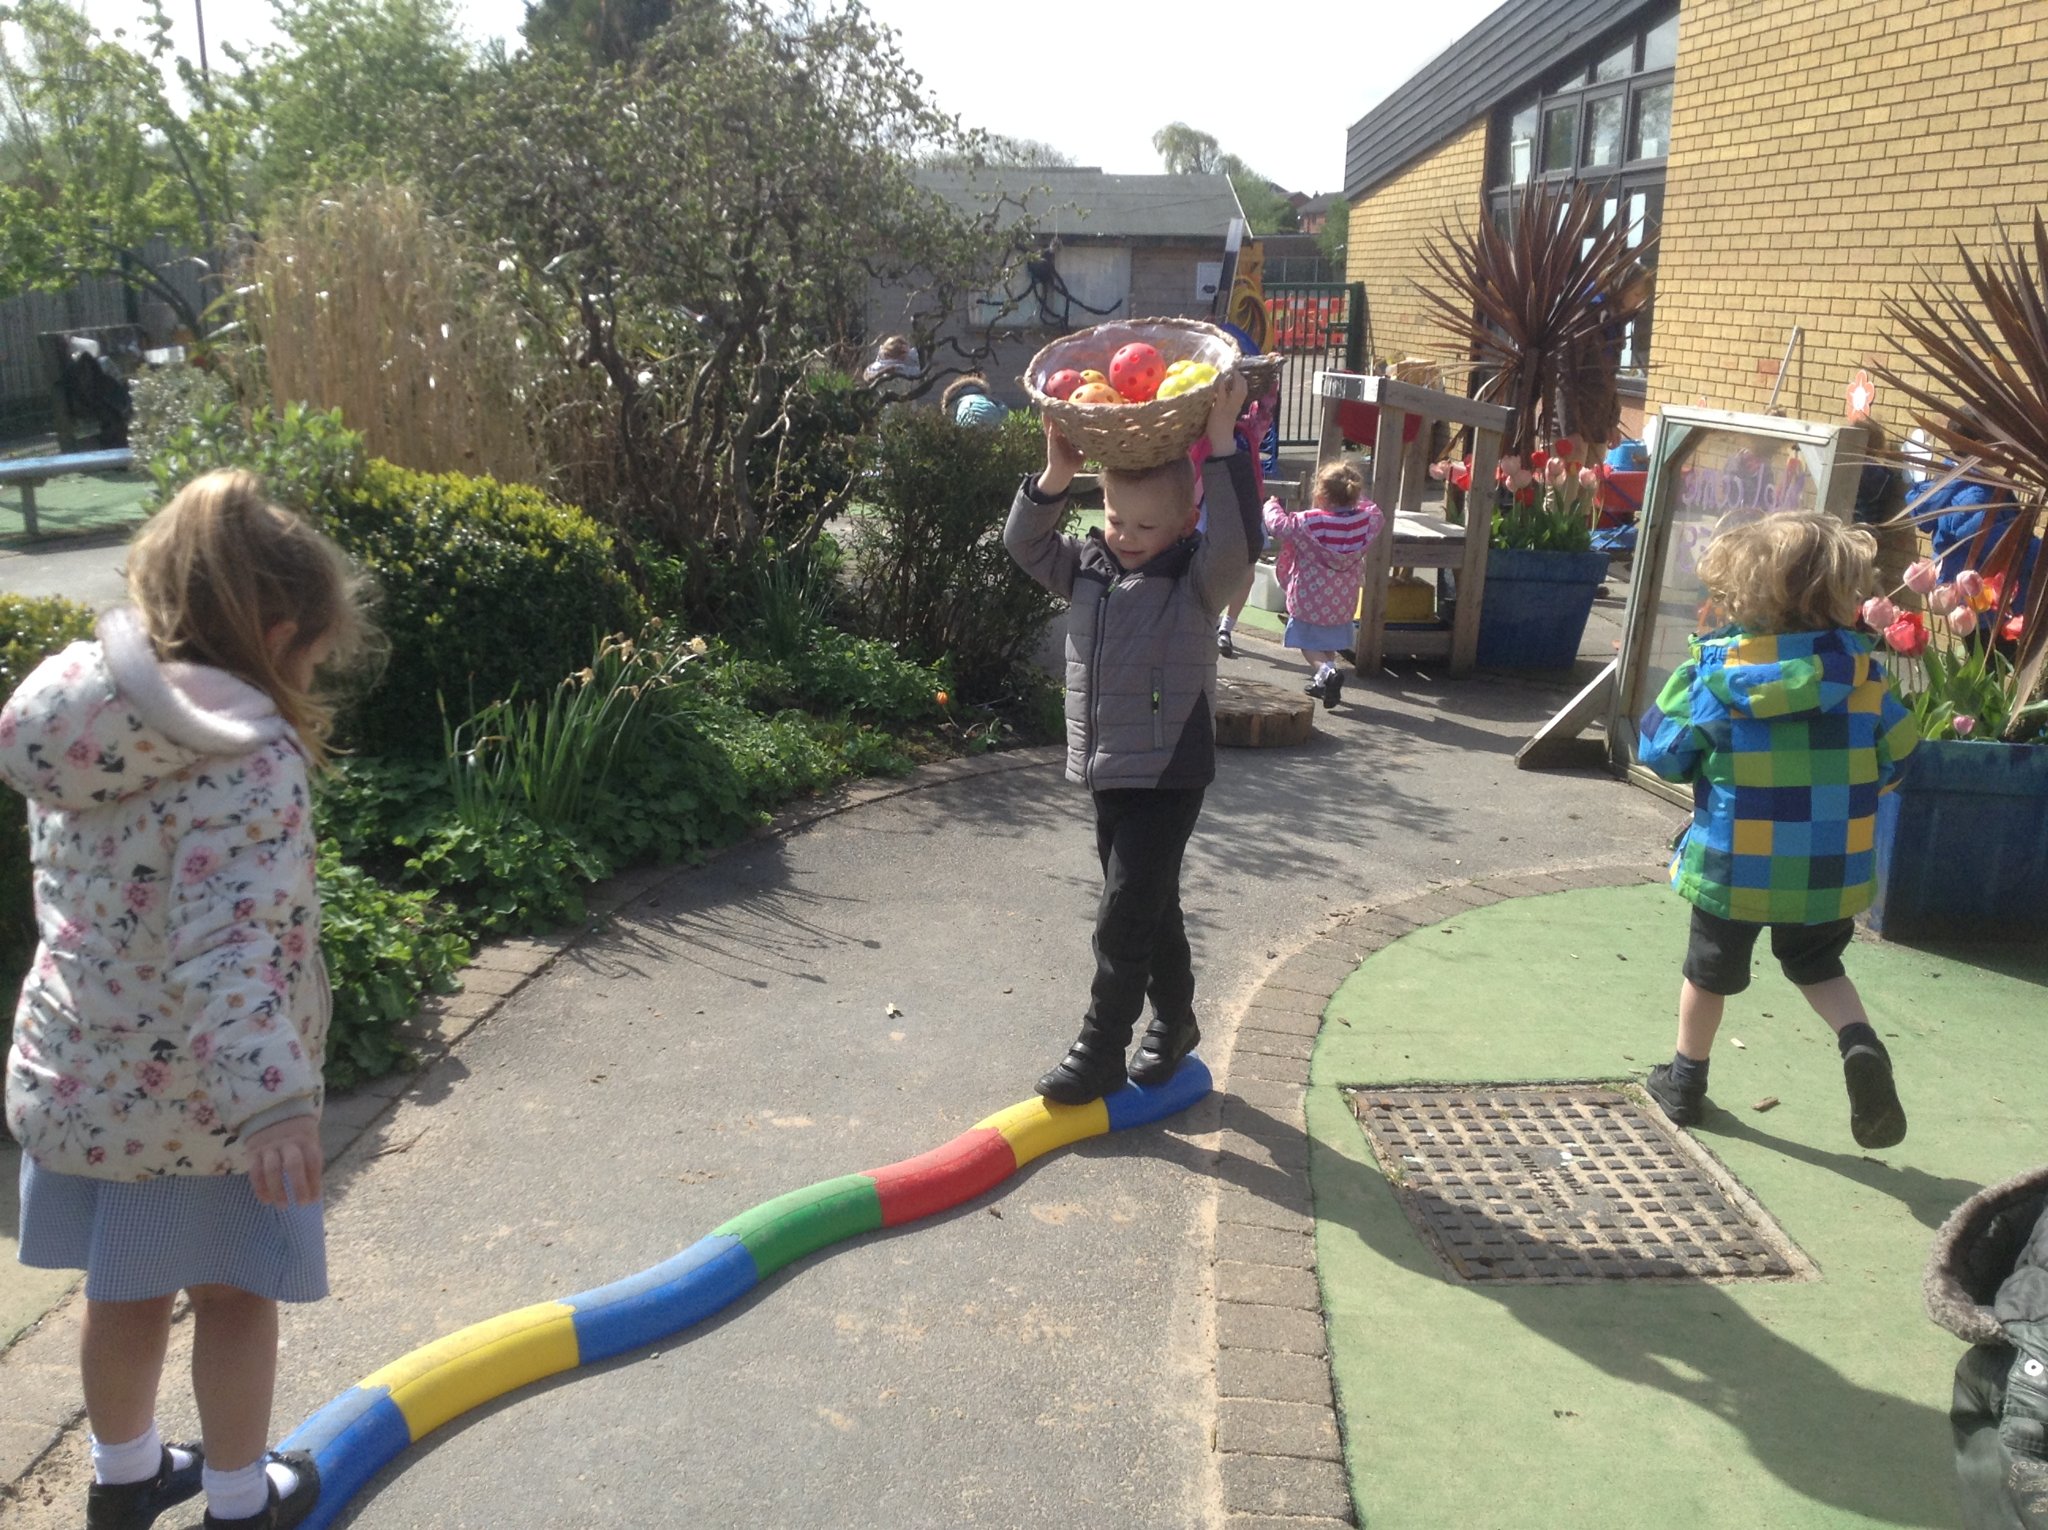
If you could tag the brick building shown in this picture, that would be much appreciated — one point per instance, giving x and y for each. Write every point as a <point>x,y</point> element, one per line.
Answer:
<point>1128,246</point>
<point>1801,161</point>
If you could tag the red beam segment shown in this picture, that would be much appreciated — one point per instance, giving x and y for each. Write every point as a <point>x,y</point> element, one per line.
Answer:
<point>971,1163</point>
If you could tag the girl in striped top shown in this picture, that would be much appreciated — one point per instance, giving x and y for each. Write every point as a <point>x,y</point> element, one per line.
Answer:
<point>1322,551</point>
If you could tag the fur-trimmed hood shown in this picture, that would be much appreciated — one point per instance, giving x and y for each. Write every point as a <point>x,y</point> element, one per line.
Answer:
<point>1989,1266</point>
<point>130,722</point>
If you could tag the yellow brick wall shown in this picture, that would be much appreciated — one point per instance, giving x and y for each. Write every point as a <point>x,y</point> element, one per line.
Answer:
<point>1821,154</point>
<point>1390,226</point>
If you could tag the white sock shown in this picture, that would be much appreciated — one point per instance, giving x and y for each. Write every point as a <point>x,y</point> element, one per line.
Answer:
<point>135,1461</point>
<point>246,1493</point>
<point>1325,671</point>
<point>1227,623</point>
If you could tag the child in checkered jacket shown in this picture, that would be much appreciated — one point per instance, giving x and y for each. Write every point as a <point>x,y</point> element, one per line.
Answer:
<point>1784,726</point>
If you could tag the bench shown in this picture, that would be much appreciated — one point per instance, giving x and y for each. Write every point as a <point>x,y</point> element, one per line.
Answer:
<point>30,473</point>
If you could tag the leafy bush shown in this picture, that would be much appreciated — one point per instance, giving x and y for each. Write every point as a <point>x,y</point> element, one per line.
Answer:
<point>306,457</point>
<point>168,400</point>
<point>385,951</point>
<point>928,569</point>
<point>1529,524</point>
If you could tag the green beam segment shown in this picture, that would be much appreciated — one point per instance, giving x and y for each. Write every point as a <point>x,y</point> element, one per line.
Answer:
<point>804,1221</point>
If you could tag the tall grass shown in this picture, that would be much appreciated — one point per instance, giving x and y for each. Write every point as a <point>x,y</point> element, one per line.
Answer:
<point>362,301</point>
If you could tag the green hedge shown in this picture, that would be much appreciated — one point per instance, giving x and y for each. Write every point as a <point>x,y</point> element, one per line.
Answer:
<point>486,589</point>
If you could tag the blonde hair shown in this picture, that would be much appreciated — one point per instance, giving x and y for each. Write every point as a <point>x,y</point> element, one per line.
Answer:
<point>1340,483</point>
<point>1177,475</point>
<point>893,348</point>
<point>1790,572</point>
<point>220,566</point>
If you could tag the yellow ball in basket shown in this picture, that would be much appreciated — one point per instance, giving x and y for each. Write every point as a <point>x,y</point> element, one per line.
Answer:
<point>1095,393</point>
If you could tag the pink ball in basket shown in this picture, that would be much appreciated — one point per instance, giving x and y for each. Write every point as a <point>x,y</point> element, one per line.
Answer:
<point>1063,382</point>
<point>1136,371</point>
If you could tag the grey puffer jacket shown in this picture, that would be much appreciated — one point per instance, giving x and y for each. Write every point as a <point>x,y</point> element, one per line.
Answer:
<point>1141,643</point>
<point>1987,1282</point>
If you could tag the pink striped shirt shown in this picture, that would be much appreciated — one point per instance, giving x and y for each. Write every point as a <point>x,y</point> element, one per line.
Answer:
<point>1321,555</point>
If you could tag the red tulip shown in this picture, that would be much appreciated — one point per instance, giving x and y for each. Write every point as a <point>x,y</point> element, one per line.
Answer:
<point>1908,635</point>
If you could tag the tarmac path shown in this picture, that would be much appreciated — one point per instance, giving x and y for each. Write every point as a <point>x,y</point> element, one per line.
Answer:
<point>839,998</point>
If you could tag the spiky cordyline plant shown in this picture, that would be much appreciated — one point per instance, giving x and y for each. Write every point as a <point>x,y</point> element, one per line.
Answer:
<point>1542,305</point>
<point>1950,362</point>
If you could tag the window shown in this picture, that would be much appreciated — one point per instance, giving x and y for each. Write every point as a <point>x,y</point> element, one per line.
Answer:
<point>1604,122</point>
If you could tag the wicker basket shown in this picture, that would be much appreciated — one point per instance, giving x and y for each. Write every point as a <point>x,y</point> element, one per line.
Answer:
<point>1134,436</point>
<point>1261,373</point>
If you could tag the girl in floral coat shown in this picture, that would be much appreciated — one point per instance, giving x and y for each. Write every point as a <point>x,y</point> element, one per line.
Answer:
<point>165,1077</point>
<point>1322,551</point>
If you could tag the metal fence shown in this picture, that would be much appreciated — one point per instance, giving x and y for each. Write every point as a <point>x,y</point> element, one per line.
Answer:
<point>1319,326</point>
<point>25,382</point>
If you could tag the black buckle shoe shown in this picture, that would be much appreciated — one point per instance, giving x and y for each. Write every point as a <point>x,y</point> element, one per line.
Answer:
<point>1225,649</point>
<point>280,1513</point>
<point>1876,1118</point>
<point>1333,692</point>
<point>1160,1053</point>
<point>1091,1069</point>
<point>1685,1107</point>
<point>135,1505</point>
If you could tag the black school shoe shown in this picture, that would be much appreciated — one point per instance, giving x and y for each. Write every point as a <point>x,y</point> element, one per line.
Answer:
<point>1333,692</point>
<point>135,1505</point>
<point>1091,1069</point>
<point>1685,1107</point>
<point>280,1513</point>
<point>1876,1118</point>
<point>1225,649</point>
<point>1160,1053</point>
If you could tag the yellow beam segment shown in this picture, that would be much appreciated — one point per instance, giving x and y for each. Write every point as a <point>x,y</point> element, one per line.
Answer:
<point>485,1360</point>
<point>1036,1126</point>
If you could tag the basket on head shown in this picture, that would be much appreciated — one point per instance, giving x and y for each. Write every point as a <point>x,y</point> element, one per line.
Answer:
<point>1261,373</point>
<point>1133,436</point>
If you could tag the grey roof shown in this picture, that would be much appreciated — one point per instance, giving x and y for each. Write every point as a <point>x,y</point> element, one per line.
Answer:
<point>1512,48</point>
<point>1080,204</point>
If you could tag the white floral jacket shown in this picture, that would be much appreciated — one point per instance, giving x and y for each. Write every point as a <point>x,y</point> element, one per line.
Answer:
<point>177,1001</point>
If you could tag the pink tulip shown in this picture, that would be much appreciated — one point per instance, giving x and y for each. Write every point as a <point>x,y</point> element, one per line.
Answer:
<point>1439,471</point>
<point>1553,472</point>
<point>1588,478</point>
<point>1510,465</point>
<point>1962,621</point>
<point>1943,600</point>
<point>1520,479</point>
<point>1969,586</point>
<point>1922,576</point>
<point>1964,726</point>
<point>1879,613</point>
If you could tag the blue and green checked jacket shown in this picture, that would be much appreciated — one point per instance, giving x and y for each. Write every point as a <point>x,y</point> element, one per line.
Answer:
<point>1788,742</point>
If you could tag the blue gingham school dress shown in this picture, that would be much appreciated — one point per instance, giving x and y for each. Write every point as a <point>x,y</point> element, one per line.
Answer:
<point>147,1238</point>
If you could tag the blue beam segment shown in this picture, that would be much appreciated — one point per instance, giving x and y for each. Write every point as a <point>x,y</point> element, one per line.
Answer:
<point>1136,1105</point>
<point>701,1280</point>
<point>351,1439</point>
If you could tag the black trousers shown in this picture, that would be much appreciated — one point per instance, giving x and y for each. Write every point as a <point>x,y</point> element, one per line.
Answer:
<point>1141,942</point>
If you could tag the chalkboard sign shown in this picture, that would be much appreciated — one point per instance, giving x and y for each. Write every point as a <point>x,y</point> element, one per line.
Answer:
<point>1710,469</point>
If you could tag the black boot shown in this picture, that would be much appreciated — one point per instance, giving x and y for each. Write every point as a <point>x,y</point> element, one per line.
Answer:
<point>1093,1067</point>
<point>1165,1044</point>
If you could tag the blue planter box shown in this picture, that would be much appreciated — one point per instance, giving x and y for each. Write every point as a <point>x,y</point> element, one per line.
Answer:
<point>1536,606</point>
<point>1962,845</point>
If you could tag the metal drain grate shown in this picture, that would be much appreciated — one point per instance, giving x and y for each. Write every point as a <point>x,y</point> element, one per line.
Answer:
<point>1552,1185</point>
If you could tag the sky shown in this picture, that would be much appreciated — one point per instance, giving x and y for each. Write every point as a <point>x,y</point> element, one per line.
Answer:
<point>1277,87</point>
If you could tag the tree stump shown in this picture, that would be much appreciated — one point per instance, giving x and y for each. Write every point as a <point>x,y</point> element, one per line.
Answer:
<point>1250,715</point>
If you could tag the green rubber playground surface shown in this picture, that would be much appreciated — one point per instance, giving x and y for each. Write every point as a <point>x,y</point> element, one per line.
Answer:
<point>77,505</point>
<point>1674,1402</point>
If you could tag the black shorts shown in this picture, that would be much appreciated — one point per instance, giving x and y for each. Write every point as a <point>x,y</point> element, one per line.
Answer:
<point>1717,955</point>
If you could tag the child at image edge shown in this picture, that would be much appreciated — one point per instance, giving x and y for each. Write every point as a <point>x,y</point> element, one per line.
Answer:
<point>1145,593</point>
<point>165,1076</point>
<point>1322,551</point>
<point>1785,727</point>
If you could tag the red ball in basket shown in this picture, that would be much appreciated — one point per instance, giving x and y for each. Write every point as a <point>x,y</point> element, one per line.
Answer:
<point>1062,383</point>
<point>1142,431</point>
<point>1136,371</point>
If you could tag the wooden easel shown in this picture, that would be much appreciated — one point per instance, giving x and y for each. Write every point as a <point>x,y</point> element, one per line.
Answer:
<point>1410,539</point>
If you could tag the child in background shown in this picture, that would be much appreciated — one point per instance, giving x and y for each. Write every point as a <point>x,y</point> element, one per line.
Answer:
<point>1322,551</point>
<point>966,401</point>
<point>1785,727</point>
<point>165,1076</point>
<point>1141,733</point>
<point>894,357</point>
<point>1253,426</point>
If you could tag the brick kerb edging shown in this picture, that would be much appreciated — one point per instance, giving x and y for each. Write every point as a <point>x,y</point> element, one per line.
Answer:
<point>1278,1443</point>
<point>38,1371</point>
